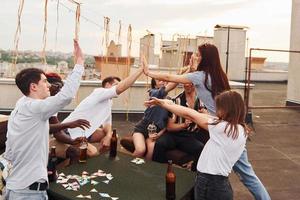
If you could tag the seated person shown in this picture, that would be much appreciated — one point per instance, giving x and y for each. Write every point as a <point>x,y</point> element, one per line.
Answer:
<point>61,139</point>
<point>96,108</point>
<point>180,132</point>
<point>144,142</point>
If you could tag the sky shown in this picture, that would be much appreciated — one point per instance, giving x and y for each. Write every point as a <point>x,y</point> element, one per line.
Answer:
<point>268,22</point>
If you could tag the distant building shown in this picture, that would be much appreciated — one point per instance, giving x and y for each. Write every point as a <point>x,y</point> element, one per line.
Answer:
<point>147,44</point>
<point>4,69</point>
<point>175,54</point>
<point>62,67</point>
<point>232,38</point>
<point>114,50</point>
<point>257,63</point>
<point>114,65</point>
<point>293,89</point>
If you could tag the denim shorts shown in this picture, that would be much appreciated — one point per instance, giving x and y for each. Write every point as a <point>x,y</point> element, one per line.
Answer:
<point>141,127</point>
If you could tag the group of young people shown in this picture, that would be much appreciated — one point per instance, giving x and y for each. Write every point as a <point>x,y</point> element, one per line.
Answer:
<point>27,143</point>
<point>223,118</point>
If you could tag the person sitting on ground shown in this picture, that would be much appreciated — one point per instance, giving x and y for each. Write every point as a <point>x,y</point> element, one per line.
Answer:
<point>65,145</point>
<point>158,117</point>
<point>28,129</point>
<point>228,133</point>
<point>180,131</point>
<point>96,108</point>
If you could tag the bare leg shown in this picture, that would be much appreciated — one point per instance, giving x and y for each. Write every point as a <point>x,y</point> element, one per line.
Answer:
<point>92,150</point>
<point>139,144</point>
<point>97,136</point>
<point>150,147</point>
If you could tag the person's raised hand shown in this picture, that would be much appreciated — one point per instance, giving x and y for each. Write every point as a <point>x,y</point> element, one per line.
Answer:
<point>78,55</point>
<point>145,65</point>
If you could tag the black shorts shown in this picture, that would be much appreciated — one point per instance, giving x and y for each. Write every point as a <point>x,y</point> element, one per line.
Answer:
<point>141,127</point>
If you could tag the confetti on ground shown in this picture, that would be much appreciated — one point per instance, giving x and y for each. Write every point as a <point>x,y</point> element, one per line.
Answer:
<point>107,181</point>
<point>94,182</point>
<point>80,196</point>
<point>94,190</point>
<point>114,198</point>
<point>138,161</point>
<point>104,194</point>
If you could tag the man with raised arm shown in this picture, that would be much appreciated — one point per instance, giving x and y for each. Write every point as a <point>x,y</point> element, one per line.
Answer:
<point>27,142</point>
<point>96,108</point>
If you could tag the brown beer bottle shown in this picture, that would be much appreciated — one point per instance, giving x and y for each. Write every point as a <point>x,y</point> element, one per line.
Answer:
<point>113,144</point>
<point>52,174</point>
<point>170,182</point>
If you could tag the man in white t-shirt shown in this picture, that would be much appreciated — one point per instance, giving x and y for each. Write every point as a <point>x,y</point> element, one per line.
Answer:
<point>27,144</point>
<point>96,108</point>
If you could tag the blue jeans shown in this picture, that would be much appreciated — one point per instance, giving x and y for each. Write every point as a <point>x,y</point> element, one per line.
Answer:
<point>25,194</point>
<point>212,187</point>
<point>248,177</point>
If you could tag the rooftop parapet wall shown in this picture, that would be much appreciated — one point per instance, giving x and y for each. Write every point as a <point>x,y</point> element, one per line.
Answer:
<point>131,101</point>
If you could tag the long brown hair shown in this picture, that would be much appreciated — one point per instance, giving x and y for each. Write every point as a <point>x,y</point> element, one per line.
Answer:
<point>211,65</point>
<point>231,108</point>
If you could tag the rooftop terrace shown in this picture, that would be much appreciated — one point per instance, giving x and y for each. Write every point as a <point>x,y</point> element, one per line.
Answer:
<point>274,149</point>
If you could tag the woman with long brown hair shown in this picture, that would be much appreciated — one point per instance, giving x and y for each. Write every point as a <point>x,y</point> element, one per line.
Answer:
<point>228,134</point>
<point>210,80</point>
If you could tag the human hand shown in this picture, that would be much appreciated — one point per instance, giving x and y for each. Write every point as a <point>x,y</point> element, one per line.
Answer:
<point>77,141</point>
<point>158,102</point>
<point>187,122</point>
<point>203,110</point>
<point>145,65</point>
<point>80,123</point>
<point>153,136</point>
<point>184,70</point>
<point>105,144</point>
<point>106,141</point>
<point>194,62</point>
<point>78,55</point>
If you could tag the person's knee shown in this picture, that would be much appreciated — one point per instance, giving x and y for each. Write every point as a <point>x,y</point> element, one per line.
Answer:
<point>92,151</point>
<point>139,151</point>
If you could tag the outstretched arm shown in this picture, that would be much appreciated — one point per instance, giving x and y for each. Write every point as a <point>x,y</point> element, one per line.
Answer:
<point>127,82</point>
<point>188,113</point>
<point>56,126</point>
<point>164,77</point>
<point>47,107</point>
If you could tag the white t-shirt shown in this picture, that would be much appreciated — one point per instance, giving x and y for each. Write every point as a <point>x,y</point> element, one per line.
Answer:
<point>221,152</point>
<point>96,108</point>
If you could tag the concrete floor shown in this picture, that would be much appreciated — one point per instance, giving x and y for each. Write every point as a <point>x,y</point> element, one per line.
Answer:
<point>274,149</point>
